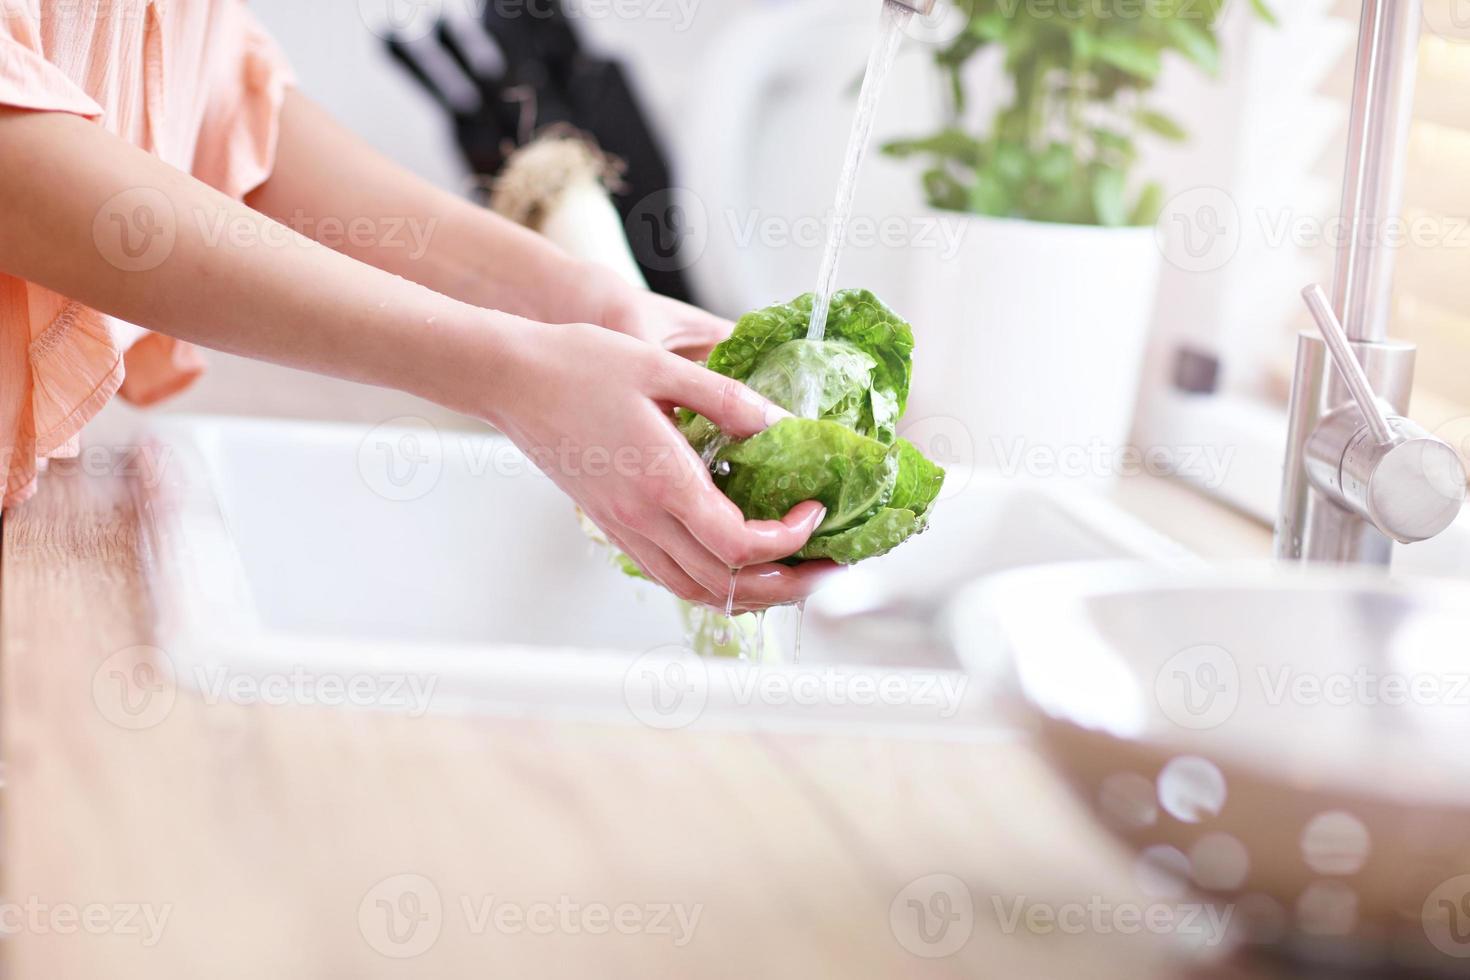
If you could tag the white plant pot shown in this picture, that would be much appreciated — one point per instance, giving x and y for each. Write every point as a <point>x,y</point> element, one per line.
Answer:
<point>1030,344</point>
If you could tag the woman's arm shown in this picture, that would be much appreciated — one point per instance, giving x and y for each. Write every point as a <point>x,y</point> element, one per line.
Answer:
<point>327,181</point>
<point>102,222</point>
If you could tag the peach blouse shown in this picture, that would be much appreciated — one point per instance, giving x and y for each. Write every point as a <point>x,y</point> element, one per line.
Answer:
<point>197,83</point>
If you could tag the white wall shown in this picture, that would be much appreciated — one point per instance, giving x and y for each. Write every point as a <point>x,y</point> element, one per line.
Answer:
<point>344,65</point>
<point>691,63</point>
<point>337,49</point>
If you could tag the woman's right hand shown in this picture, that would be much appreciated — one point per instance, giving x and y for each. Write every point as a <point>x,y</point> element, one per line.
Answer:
<point>592,406</point>
<point>594,410</point>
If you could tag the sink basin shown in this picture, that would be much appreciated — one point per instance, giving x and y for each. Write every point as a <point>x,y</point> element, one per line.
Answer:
<point>406,544</point>
<point>1292,744</point>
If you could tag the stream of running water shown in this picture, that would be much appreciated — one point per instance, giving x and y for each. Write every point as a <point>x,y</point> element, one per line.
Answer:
<point>894,19</point>
<point>880,62</point>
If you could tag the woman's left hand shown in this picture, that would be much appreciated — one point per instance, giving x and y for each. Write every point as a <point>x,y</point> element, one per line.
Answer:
<point>666,323</point>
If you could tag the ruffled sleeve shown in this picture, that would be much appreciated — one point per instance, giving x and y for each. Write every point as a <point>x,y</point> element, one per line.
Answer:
<point>28,80</point>
<point>237,144</point>
<point>236,153</point>
<point>59,364</point>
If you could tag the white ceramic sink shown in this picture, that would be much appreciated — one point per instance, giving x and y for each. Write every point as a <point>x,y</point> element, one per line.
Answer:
<point>407,544</point>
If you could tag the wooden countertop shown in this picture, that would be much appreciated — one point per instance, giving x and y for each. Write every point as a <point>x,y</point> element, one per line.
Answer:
<point>276,841</point>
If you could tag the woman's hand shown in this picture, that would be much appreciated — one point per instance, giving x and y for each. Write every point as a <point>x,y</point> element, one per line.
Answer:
<point>591,406</point>
<point>666,323</point>
<point>326,176</point>
<point>593,410</point>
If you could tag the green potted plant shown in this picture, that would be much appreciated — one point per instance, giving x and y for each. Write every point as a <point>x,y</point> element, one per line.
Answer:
<point>1046,309</point>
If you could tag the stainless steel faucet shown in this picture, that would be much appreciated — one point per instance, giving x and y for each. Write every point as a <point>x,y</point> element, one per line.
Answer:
<point>921,7</point>
<point>1359,475</point>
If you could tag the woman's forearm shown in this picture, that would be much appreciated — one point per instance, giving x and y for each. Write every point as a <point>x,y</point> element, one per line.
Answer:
<point>108,225</point>
<point>102,222</point>
<point>332,186</point>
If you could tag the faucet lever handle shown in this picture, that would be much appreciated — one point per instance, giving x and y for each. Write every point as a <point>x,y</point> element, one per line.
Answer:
<point>1347,365</point>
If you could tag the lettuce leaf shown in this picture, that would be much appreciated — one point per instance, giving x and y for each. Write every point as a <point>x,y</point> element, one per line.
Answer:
<point>919,480</point>
<point>887,529</point>
<point>809,459</point>
<point>769,347</point>
<point>878,489</point>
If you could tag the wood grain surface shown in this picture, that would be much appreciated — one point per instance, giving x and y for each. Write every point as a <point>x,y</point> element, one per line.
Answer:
<point>286,842</point>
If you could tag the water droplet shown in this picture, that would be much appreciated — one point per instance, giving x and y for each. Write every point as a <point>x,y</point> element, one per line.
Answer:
<point>728,629</point>
<point>1264,919</point>
<point>1162,872</point>
<point>1335,843</point>
<point>1128,798</point>
<point>1192,789</point>
<point>1327,908</point>
<point>800,615</point>
<point>1220,861</point>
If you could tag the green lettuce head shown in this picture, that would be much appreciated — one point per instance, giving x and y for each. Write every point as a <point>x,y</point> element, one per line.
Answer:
<point>849,392</point>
